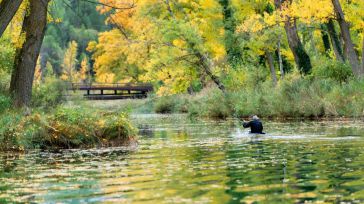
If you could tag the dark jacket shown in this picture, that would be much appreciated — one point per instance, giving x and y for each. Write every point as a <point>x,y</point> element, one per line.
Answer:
<point>255,126</point>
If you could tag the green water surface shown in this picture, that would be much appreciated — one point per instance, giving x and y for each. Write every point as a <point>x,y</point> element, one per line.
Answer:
<point>183,161</point>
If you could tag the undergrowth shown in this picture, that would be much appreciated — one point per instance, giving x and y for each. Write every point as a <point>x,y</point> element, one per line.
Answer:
<point>65,127</point>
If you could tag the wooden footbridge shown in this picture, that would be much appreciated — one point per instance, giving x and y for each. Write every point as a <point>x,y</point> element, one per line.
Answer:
<point>98,91</point>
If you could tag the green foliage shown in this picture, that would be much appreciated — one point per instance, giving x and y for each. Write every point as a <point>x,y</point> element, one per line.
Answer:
<point>297,97</point>
<point>66,127</point>
<point>165,104</point>
<point>9,121</point>
<point>52,51</point>
<point>330,69</point>
<point>7,52</point>
<point>49,94</point>
<point>245,76</point>
<point>74,25</point>
<point>210,103</point>
<point>346,100</point>
<point>5,103</point>
<point>4,82</point>
<point>171,104</point>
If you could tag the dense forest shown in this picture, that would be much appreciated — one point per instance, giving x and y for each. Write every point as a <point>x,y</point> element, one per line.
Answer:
<point>182,45</point>
<point>210,58</point>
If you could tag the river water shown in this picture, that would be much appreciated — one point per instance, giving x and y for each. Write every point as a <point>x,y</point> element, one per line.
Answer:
<point>184,161</point>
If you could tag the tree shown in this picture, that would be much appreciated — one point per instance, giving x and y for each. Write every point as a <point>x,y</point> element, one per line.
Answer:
<point>264,35</point>
<point>34,26</point>
<point>362,55</point>
<point>270,61</point>
<point>8,8</point>
<point>172,43</point>
<point>301,57</point>
<point>335,41</point>
<point>231,41</point>
<point>348,43</point>
<point>38,73</point>
<point>85,70</point>
<point>69,72</point>
<point>49,72</point>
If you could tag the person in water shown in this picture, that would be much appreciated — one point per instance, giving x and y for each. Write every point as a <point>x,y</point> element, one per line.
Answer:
<point>255,125</point>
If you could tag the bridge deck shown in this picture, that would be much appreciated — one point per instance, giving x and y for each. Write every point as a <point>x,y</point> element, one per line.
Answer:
<point>113,91</point>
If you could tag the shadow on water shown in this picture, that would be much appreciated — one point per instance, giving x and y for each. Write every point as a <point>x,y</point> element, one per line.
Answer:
<point>183,161</point>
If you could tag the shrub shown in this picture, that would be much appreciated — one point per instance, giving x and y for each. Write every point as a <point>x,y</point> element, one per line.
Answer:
<point>49,94</point>
<point>330,69</point>
<point>4,82</point>
<point>7,51</point>
<point>66,127</point>
<point>347,99</point>
<point>210,103</point>
<point>165,104</point>
<point>5,103</point>
<point>9,139</point>
<point>297,97</point>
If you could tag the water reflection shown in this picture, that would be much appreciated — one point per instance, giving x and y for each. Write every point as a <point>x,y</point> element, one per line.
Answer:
<point>182,161</point>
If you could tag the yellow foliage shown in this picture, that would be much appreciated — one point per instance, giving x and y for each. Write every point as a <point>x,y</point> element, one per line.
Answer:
<point>288,54</point>
<point>254,23</point>
<point>105,77</point>
<point>158,56</point>
<point>158,41</point>
<point>309,11</point>
<point>85,68</point>
<point>354,14</point>
<point>15,26</point>
<point>208,4</point>
<point>179,43</point>
<point>38,73</point>
<point>69,72</point>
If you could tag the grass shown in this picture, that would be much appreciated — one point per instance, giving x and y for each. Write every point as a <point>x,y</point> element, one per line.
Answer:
<point>64,127</point>
<point>294,98</point>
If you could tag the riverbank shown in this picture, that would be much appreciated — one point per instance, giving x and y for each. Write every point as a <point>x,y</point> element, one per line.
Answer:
<point>53,122</point>
<point>64,127</point>
<point>297,99</point>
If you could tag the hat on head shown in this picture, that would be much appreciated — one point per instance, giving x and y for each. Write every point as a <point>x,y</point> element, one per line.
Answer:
<point>255,117</point>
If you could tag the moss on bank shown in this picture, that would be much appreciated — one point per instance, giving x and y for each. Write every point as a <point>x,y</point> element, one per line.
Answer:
<point>64,127</point>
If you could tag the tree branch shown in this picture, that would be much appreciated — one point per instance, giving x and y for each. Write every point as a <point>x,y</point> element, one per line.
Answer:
<point>133,5</point>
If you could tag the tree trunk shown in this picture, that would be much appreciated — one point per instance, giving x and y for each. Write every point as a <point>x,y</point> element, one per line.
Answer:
<point>204,61</point>
<point>312,43</point>
<point>362,57</point>
<point>325,39</point>
<point>206,65</point>
<point>34,26</point>
<point>335,41</point>
<point>301,58</point>
<point>8,8</point>
<point>280,58</point>
<point>345,32</point>
<point>270,61</point>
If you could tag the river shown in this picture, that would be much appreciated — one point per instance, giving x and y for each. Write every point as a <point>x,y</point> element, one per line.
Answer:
<point>179,160</point>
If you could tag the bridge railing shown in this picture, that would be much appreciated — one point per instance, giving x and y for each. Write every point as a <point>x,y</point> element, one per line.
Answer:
<point>75,86</point>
